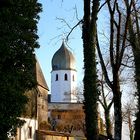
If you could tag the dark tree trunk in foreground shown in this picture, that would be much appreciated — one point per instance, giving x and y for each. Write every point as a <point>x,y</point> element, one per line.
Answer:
<point>90,90</point>
<point>137,77</point>
<point>136,52</point>
<point>134,38</point>
<point>117,108</point>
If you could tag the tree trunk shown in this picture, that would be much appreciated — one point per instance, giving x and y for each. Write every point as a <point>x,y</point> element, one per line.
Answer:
<point>90,90</point>
<point>136,52</point>
<point>135,43</point>
<point>117,106</point>
<point>108,124</point>
<point>131,130</point>
<point>137,78</point>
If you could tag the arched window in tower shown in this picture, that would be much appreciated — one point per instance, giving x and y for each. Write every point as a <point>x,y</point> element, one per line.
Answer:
<point>73,78</point>
<point>65,77</point>
<point>56,78</point>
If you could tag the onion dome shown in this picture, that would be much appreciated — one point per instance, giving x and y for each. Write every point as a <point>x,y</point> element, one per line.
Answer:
<point>63,59</point>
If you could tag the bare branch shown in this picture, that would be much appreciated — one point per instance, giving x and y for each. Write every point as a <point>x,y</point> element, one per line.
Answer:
<point>102,104</point>
<point>102,5</point>
<point>125,32</point>
<point>125,65</point>
<point>76,13</point>
<point>118,37</point>
<point>110,104</point>
<point>64,21</point>
<point>103,64</point>
<point>73,29</point>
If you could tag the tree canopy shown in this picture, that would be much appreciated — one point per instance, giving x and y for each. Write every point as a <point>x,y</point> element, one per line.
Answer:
<point>18,22</point>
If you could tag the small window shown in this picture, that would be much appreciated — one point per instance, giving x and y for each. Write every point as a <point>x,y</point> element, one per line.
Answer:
<point>29,132</point>
<point>42,106</point>
<point>56,78</point>
<point>66,77</point>
<point>59,116</point>
<point>73,78</point>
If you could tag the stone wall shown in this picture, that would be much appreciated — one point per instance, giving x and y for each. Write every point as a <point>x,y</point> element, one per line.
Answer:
<point>42,135</point>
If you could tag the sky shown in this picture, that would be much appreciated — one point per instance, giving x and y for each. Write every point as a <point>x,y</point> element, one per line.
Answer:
<point>52,31</point>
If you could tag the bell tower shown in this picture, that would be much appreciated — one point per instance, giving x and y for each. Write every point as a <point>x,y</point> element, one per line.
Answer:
<point>63,76</point>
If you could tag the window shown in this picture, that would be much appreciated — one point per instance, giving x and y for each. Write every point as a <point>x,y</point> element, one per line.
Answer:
<point>42,106</point>
<point>59,116</point>
<point>73,78</point>
<point>65,77</point>
<point>56,78</point>
<point>29,132</point>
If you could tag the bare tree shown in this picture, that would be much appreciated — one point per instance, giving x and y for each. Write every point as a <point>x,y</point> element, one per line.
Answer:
<point>134,39</point>
<point>117,41</point>
<point>106,101</point>
<point>129,110</point>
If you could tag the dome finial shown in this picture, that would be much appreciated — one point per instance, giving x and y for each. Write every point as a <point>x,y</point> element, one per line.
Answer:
<point>63,38</point>
<point>63,43</point>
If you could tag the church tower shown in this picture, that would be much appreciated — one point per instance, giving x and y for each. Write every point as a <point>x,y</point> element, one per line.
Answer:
<point>63,76</point>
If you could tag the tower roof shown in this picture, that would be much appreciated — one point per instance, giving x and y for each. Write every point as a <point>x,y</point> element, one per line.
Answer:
<point>40,77</point>
<point>63,59</point>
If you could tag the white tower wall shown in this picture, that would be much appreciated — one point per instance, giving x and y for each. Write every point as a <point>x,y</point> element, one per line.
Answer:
<point>63,88</point>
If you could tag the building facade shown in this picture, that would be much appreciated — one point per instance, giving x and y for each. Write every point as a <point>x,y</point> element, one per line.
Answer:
<point>65,114</point>
<point>36,112</point>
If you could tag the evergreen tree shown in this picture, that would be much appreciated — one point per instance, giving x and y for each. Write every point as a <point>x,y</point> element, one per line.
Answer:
<point>18,22</point>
